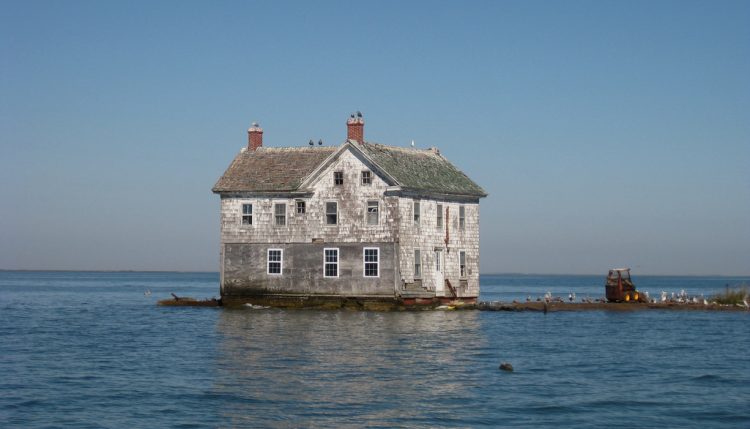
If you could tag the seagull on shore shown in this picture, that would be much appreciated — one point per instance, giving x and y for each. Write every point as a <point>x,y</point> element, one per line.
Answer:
<point>572,296</point>
<point>663,296</point>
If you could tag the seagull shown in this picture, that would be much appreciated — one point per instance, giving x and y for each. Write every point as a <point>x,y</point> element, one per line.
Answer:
<point>528,298</point>
<point>320,142</point>
<point>147,293</point>
<point>311,143</point>
<point>412,143</point>
<point>571,296</point>
<point>359,114</point>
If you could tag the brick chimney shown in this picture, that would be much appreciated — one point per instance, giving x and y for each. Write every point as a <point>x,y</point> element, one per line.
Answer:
<point>254,137</point>
<point>355,127</point>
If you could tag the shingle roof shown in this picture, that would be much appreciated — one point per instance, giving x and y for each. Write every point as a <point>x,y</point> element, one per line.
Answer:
<point>283,169</point>
<point>271,169</point>
<point>422,170</point>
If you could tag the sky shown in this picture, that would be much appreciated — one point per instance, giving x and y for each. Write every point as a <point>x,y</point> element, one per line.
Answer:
<point>607,133</point>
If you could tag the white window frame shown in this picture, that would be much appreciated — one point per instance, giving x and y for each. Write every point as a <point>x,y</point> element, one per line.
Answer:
<point>369,178</point>
<point>242,214</point>
<point>364,262</point>
<point>439,221</point>
<point>416,211</point>
<point>325,209</point>
<point>275,215</point>
<point>418,263</point>
<point>438,261</point>
<point>280,262</point>
<point>377,213</point>
<point>462,217</point>
<point>325,262</point>
<point>462,268</point>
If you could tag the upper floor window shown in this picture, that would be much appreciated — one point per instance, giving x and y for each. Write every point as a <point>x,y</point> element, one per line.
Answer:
<point>275,261</point>
<point>366,178</point>
<point>338,177</point>
<point>372,212</point>
<point>330,262</point>
<point>416,210</point>
<point>417,263</point>
<point>300,207</point>
<point>461,217</point>
<point>462,263</point>
<point>371,260</point>
<point>280,213</point>
<point>247,214</point>
<point>332,213</point>
<point>439,215</point>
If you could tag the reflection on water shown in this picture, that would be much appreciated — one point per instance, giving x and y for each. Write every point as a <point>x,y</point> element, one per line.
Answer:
<point>87,350</point>
<point>341,366</point>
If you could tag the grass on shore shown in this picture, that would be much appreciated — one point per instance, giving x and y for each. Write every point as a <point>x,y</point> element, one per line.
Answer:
<point>732,296</point>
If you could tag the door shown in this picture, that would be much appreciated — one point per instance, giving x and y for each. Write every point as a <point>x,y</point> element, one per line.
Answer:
<point>439,269</point>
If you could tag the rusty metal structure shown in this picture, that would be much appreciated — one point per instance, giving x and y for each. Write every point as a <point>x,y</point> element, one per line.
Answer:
<point>620,287</point>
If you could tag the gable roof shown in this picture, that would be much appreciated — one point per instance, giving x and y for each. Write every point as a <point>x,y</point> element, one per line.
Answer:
<point>270,169</point>
<point>421,170</point>
<point>285,169</point>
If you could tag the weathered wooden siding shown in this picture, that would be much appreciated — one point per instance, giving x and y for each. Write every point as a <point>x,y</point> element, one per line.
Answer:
<point>305,235</point>
<point>351,197</point>
<point>427,236</point>
<point>245,270</point>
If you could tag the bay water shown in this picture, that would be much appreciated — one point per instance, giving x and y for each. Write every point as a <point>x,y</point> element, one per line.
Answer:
<point>91,350</point>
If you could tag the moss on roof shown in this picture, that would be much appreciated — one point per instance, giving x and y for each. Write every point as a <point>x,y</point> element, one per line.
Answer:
<point>271,169</point>
<point>422,170</point>
<point>283,169</point>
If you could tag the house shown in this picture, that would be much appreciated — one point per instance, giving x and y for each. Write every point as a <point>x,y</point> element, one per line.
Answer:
<point>360,223</point>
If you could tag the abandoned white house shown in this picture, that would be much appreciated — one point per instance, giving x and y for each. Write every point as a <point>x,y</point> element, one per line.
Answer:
<point>361,221</point>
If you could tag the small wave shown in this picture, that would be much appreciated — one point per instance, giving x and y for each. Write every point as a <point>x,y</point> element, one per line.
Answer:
<point>707,377</point>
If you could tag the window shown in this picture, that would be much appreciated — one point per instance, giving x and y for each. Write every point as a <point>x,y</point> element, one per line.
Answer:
<point>330,262</point>
<point>462,263</point>
<point>247,214</point>
<point>438,260</point>
<point>372,212</point>
<point>300,207</point>
<point>439,215</point>
<point>366,178</point>
<point>371,258</point>
<point>461,217</point>
<point>280,212</point>
<point>338,177</point>
<point>275,260</point>
<point>417,263</point>
<point>416,212</point>
<point>332,216</point>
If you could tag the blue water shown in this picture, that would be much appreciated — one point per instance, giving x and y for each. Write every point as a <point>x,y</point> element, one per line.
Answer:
<point>91,350</point>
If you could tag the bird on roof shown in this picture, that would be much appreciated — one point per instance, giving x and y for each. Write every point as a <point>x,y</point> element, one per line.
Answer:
<point>359,114</point>
<point>311,143</point>
<point>320,142</point>
<point>352,116</point>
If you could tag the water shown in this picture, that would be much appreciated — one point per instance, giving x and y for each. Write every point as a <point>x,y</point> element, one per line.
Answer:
<point>91,350</point>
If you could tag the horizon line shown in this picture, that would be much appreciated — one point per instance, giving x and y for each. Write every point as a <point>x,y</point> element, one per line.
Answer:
<point>481,274</point>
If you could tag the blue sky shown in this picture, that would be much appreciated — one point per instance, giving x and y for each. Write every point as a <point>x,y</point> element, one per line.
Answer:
<point>606,133</point>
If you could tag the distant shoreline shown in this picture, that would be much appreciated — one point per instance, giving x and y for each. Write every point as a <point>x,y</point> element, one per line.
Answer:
<point>481,274</point>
